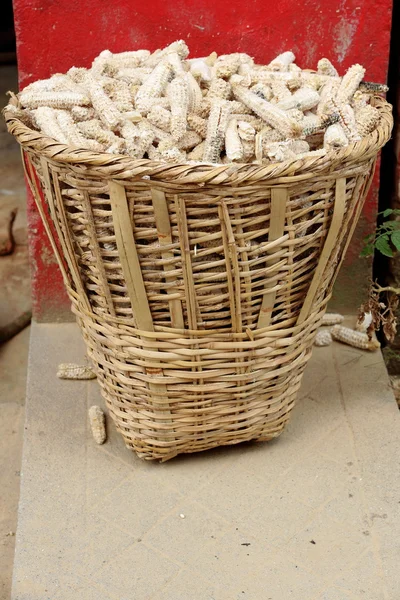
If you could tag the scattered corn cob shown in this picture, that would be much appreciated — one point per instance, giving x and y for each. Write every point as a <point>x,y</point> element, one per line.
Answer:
<point>73,371</point>
<point>97,424</point>
<point>357,339</point>
<point>332,319</point>
<point>323,338</point>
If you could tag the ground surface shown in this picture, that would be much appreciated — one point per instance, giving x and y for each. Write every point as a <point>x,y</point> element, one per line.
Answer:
<point>13,368</point>
<point>313,515</point>
<point>15,292</point>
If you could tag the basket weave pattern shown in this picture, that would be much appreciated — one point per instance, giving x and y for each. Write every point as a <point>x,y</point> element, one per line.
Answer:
<point>198,288</point>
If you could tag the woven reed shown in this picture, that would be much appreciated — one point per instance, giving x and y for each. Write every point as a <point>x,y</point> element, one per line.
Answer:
<point>198,288</point>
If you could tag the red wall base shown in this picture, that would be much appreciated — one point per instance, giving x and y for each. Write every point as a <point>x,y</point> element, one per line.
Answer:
<point>53,36</point>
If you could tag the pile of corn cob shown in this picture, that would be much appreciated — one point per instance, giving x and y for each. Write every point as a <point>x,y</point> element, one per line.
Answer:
<point>219,109</point>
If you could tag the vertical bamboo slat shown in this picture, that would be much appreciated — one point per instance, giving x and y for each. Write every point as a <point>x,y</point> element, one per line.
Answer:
<point>330,242</point>
<point>279,198</point>
<point>163,225</point>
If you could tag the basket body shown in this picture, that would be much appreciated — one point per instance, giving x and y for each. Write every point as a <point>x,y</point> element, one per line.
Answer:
<point>198,290</point>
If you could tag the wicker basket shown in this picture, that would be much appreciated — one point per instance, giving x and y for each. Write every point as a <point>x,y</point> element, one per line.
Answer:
<point>198,288</point>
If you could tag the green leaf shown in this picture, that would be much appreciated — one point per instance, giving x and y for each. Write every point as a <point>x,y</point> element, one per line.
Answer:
<point>367,251</point>
<point>389,225</point>
<point>382,244</point>
<point>387,212</point>
<point>395,239</point>
<point>369,238</point>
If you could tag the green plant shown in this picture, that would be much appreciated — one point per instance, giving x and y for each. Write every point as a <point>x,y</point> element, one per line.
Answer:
<point>386,237</point>
<point>383,302</point>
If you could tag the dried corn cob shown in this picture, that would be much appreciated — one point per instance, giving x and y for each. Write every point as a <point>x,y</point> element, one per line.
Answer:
<point>323,338</point>
<point>97,424</point>
<point>53,99</point>
<point>280,92</point>
<point>246,131</point>
<point>303,99</point>
<point>104,106</point>
<point>335,137</point>
<point>153,87</point>
<point>280,151</point>
<point>73,371</point>
<point>82,113</point>
<point>173,155</point>
<point>200,69</point>
<point>274,116</point>
<point>46,120</point>
<point>93,130</point>
<point>233,144</point>
<point>367,119</point>
<point>198,124</point>
<point>189,140</point>
<point>249,150</point>
<point>197,152</point>
<point>262,90</point>
<point>161,117</point>
<point>281,62</point>
<point>178,95</point>
<point>332,319</point>
<point>357,339</point>
<point>216,129</point>
<point>195,94</point>
<point>325,67</point>
<point>238,108</point>
<point>349,84</point>
<point>219,88</point>
<point>73,135</point>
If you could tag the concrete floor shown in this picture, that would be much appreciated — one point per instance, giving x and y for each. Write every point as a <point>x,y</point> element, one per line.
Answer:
<point>313,515</point>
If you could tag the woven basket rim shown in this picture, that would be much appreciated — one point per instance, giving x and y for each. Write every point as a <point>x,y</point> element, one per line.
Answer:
<point>118,166</point>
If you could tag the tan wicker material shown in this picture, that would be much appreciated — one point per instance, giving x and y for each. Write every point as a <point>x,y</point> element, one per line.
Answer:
<point>198,288</point>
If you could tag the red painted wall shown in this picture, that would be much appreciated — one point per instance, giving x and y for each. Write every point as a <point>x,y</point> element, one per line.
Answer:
<point>53,35</point>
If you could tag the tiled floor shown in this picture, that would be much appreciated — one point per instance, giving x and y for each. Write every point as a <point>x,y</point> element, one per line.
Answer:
<point>313,515</point>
